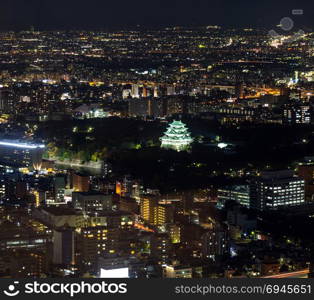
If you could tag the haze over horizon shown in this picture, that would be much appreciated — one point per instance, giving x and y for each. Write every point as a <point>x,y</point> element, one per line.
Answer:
<point>98,14</point>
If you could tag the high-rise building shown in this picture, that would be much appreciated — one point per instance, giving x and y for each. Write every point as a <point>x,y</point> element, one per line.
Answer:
<point>174,233</point>
<point>139,107</point>
<point>97,241</point>
<point>145,92</point>
<point>6,102</point>
<point>63,246</point>
<point>147,208</point>
<point>118,188</point>
<point>59,188</point>
<point>91,201</point>
<point>156,92</point>
<point>60,216</point>
<point>155,213</point>
<point>129,205</point>
<point>128,188</point>
<point>161,248</point>
<point>306,172</point>
<point>215,242</point>
<point>177,137</point>
<point>276,189</point>
<point>81,182</point>
<point>187,200</point>
<point>111,219</point>
<point>147,107</point>
<point>175,105</point>
<point>297,114</point>
<point>239,90</point>
<point>23,263</point>
<point>156,108</point>
<point>135,93</point>
<point>13,236</point>
<point>163,214</point>
<point>2,188</point>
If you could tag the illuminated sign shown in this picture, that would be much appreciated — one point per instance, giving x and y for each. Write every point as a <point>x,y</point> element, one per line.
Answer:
<point>114,273</point>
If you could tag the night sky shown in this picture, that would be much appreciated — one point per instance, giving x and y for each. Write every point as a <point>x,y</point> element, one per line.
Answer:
<point>103,14</point>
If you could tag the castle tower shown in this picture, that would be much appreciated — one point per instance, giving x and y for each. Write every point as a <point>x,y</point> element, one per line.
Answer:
<point>177,137</point>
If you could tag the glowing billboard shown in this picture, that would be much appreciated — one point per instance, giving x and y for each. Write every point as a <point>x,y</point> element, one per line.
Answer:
<point>114,273</point>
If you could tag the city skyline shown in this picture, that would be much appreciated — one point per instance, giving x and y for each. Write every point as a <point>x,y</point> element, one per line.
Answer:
<point>156,151</point>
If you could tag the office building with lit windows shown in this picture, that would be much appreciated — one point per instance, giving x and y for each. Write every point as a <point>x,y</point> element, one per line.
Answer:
<point>297,114</point>
<point>155,213</point>
<point>112,219</point>
<point>237,193</point>
<point>97,241</point>
<point>14,237</point>
<point>215,242</point>
<point>277,189</point>
<point>163,214</point>
<point>161,248</point>
<point>147,207</point>
<point>91,201</point>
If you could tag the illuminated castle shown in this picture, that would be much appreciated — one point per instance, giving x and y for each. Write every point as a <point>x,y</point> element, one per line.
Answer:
<point>177,137</point>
